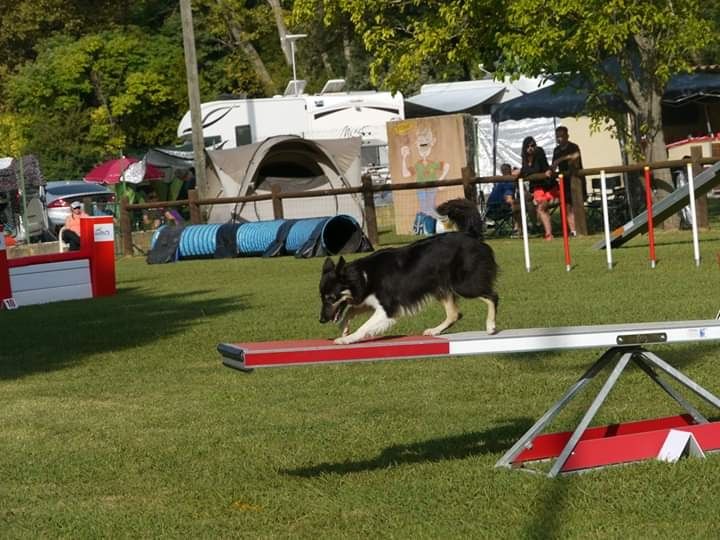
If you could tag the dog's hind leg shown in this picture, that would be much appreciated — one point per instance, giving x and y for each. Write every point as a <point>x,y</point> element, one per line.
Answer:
<point>452,315</point>
<point>492,302</point>
<point>376,324</point>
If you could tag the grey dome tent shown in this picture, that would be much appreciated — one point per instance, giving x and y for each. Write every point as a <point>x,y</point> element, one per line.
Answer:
<point>294,164</point>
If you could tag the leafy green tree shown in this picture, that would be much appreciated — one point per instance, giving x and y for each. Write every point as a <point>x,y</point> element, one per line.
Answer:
<point>628,49</point>
<point>85,99</point>
<point>245,38</point>
<point>333,49</point>
<point>415,41</point>
<point>23,23</point>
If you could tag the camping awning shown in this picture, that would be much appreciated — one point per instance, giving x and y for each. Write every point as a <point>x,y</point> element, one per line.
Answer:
<point>571,100</point>
<point>689,87</point>
<point>469,100</point>
<point>548,102</point>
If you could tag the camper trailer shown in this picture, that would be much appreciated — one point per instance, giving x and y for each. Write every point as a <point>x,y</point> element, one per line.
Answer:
<point>331,114</point>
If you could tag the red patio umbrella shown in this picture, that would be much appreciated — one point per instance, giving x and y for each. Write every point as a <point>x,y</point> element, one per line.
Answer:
<point>112,171</point>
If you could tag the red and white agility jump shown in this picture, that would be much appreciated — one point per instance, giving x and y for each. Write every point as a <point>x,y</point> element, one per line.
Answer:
<point>86,273</point>
<point>584,448</point>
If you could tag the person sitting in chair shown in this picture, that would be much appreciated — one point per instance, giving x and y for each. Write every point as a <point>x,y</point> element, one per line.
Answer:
<point>502,202</point>
<point>71,231</point>
<point>504,198</point>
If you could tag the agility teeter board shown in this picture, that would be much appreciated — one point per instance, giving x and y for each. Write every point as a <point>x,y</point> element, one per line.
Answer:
<point>704,182</point>
<point>585,447</point>
<point>248,356</point>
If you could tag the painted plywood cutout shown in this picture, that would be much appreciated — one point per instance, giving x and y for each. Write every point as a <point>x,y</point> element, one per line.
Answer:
<point>425,150</point>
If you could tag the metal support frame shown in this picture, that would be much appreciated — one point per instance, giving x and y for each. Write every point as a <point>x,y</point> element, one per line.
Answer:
<point>648,363</point>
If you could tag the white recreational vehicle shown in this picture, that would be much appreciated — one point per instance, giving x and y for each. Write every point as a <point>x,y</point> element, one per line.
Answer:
<point>331,114</point>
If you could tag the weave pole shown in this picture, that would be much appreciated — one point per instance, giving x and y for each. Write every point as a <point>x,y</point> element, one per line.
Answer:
<point>563,219</point>
<point>649,207</point>
<point>523,219</point>
<point>606,219</point>
<point>691,192</point>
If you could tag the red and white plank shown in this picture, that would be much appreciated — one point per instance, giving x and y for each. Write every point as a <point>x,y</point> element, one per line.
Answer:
<point>250,355</point>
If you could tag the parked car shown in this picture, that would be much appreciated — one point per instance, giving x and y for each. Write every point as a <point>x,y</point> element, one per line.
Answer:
<point>13,220</point>
<point>59,196</point>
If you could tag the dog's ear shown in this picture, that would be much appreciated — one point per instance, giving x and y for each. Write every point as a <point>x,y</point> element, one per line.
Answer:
<point>340,265</point>
<point>328,266</point>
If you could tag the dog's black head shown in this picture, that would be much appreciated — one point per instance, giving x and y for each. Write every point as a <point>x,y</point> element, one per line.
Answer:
<point>338,290</point>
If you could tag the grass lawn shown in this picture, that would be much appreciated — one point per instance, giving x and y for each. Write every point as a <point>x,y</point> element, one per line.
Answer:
<point>118,419</point>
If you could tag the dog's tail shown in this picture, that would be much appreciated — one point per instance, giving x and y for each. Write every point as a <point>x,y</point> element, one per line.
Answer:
<point>464,214</point>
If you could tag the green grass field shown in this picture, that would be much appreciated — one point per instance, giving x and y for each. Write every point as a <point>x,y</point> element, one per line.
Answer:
<point>117,418</point>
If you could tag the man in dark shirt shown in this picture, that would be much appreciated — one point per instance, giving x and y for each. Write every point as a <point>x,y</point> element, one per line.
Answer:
<point>567,161</point>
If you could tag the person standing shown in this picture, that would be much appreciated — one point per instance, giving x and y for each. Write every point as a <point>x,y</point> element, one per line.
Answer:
<point>567,160</point>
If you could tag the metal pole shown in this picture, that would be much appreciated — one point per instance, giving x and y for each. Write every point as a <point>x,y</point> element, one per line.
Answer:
<point>693,213</point>
<point>198,141</point>
<point>649,209</point>
<point>523,219</point>
<point>563,221</point>
<point>21,174</point>
<point>292,54</point>
<point>606,219</point>
<point>589,415</point>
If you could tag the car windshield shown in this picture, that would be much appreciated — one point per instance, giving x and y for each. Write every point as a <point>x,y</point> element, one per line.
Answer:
<point>73,189</point>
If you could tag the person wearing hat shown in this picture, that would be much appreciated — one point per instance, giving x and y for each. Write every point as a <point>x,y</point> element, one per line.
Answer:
<point>71,230</point>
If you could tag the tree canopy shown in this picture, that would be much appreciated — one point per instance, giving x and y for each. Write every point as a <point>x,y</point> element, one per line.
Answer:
<point>81,81</point>
<point>625,48</point>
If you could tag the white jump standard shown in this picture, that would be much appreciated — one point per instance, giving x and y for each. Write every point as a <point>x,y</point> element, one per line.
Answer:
<point>583,448</point>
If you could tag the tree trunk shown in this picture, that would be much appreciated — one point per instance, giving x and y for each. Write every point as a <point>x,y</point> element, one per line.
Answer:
<point>100,95</point>
<point>655,150</point>
<point>281,28</point>
<point>258,65</point>
<point>645,104</point>
<point>347,54</point>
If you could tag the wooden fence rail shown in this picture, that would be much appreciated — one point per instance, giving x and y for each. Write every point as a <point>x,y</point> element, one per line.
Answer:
<point>469,182</point>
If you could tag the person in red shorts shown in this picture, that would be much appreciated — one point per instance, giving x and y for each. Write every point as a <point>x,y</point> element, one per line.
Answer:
<point>545,191</point>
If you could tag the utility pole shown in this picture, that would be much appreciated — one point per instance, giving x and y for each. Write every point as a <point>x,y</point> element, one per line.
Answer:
<point>198,141</point>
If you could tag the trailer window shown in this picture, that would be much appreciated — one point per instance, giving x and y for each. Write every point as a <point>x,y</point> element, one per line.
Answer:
<point>243,135</point>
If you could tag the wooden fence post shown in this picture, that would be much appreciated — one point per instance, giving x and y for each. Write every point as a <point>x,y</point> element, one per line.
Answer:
<point>468,187</point>
<point>126,227</point>
<point>578,194</point>
<point>370,214</point>
<point>714,152</point>
<point>277,202</point>
<point>195,214</point>
<point>701,203</point>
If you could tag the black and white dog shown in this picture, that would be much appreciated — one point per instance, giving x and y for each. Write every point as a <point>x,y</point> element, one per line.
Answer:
<point>399,281</point>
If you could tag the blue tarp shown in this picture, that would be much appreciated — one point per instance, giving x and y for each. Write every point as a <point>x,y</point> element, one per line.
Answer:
<point>571,100</point>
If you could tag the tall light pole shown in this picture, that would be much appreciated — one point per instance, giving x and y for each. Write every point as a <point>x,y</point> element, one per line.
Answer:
<point>292,38</point>
<point>193,95</point>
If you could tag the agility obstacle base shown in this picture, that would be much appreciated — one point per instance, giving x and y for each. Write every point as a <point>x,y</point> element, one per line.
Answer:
<point>584,448</point>
<point>86,273</point>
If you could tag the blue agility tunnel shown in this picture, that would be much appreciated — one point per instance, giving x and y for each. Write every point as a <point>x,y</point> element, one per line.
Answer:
<point>307,237</point>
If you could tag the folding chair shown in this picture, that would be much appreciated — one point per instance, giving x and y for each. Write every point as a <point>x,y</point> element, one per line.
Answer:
<point>616,203</point>
<point>498,217</point>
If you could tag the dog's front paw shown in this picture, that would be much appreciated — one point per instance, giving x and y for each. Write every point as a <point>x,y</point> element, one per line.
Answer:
<point>345,340</point>
<point>491,330</point>
<point>431,332</point>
